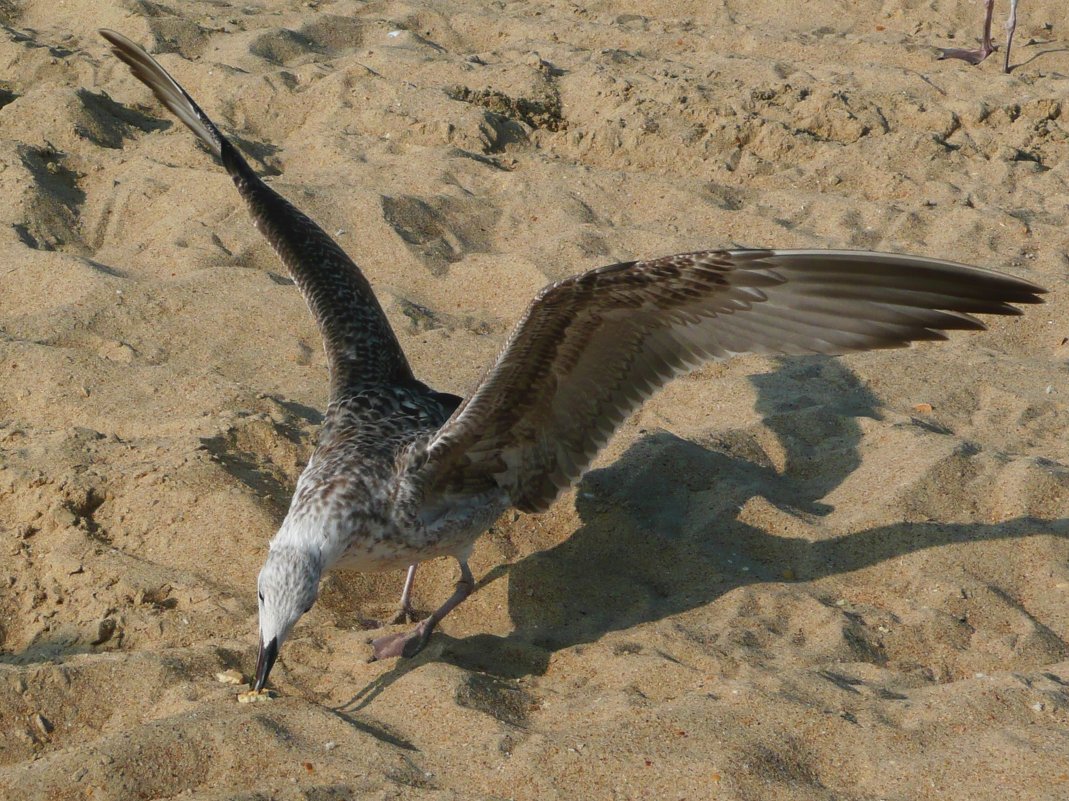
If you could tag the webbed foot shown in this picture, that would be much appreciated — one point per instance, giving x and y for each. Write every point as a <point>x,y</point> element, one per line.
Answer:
<point>972,56</point>
<point>405,643</point>
<point>410,643</point>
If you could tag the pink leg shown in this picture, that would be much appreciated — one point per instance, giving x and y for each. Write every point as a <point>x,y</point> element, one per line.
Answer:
<point>987,47</point>
<point>405,613</point>
<point>411,643</point>
<point>1011,26</point>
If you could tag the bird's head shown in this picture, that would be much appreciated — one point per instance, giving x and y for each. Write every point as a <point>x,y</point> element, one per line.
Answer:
<point>288,586</point>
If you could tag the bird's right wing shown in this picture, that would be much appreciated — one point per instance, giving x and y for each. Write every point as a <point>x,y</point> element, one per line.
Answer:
<point>590,349</point>
<point>360,345</point>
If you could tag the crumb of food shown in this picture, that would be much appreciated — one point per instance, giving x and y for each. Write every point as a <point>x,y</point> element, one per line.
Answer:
<point>252,696</point>
<point>922,408</point>
<point>230,677</point>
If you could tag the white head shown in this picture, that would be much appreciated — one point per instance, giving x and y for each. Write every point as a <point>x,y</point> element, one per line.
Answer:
<point>288,586</point>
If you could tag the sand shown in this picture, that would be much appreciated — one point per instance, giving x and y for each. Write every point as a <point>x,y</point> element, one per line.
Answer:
<point>806,578</point>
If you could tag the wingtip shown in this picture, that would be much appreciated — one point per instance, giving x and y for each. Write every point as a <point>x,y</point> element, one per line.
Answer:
<point>123,48</point>
<point>1030,292</point>
<point>1037,291</point>
<point>114,38</point>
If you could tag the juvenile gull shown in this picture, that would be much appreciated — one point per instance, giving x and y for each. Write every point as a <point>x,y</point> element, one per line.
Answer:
<point>402,473</point>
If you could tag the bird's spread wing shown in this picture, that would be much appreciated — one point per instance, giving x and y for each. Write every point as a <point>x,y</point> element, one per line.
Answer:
<point>361,347</point>
<point>590,349</point>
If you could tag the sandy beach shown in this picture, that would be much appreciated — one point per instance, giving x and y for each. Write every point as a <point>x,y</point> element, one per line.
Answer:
<point>837,579</point>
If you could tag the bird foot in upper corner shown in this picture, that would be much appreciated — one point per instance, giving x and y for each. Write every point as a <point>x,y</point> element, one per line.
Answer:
<point>972,56</point>
<point>405,643</point>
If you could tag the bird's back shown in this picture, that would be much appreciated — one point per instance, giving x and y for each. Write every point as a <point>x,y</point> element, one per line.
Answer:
<point>347,495</point>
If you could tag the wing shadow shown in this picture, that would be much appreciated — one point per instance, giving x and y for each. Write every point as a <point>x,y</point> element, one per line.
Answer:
<point>661,533</point>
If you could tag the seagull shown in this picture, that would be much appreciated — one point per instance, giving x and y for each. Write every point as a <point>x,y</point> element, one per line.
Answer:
<point>987,47</point>
<point>402,473</point>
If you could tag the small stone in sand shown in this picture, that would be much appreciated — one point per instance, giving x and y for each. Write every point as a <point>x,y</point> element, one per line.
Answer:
<point>922,408</point>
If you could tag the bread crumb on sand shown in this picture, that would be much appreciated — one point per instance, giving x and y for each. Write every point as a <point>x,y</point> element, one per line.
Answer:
<point>255,696</point>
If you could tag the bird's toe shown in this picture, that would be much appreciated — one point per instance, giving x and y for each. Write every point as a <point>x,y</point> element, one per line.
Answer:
<point>403,615</point>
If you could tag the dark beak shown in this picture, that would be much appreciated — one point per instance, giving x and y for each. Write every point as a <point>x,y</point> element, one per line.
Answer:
<point>264,662</point>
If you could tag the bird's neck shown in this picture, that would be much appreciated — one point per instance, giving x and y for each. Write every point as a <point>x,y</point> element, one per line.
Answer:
<point>300,536</point>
